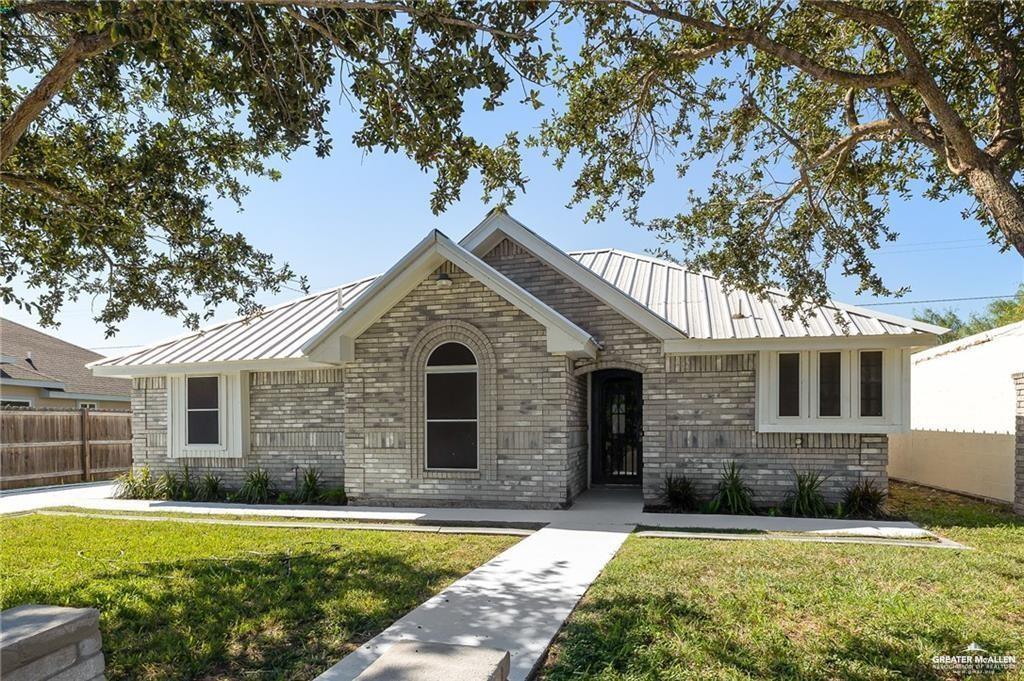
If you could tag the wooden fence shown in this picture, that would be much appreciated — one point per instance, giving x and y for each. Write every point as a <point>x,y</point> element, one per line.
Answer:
<point>57,446</point>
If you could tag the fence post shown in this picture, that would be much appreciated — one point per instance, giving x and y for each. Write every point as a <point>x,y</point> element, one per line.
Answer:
<point>86,463</point>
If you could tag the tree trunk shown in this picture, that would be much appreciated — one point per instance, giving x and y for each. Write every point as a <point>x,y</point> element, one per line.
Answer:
<point>1004,201</point>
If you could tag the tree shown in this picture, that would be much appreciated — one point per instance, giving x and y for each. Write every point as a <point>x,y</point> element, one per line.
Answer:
<point>998,313</point>
<point>812,113</point>
<point>120,121</point>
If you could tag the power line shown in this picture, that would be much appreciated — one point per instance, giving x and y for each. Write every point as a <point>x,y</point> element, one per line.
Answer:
<point>936,300</point>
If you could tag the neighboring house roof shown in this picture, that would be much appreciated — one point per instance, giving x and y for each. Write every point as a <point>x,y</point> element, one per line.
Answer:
<point>1006,332</point>
<point>697,303</point>
<point>663,298</point>
<point>33,358</point>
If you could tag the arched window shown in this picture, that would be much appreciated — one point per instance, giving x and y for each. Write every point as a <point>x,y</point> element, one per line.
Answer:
<point>451,407</point>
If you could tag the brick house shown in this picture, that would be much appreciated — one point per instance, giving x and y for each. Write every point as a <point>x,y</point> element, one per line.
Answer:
<point>502,371</point>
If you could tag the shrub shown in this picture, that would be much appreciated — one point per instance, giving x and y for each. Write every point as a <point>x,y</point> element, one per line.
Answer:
<point>136,485</point>
<point>310,491</point>
<point>209,489</point>
<point>168,487</point>
<point>256,489</point>
<point>334,497</point>
<point>806,500</point>
<point>864,500</point>
<point>734,496</point>
<point>678,493</point>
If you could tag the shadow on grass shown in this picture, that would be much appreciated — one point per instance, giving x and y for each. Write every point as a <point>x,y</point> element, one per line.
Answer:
<point>661,636</point>
<point>271,615</point>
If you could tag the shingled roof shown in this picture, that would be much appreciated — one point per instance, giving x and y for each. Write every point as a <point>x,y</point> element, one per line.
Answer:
<point>51,363</point>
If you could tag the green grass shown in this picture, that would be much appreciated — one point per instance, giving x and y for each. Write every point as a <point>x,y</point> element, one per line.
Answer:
<point>185,601</point>
<point>691,609</point>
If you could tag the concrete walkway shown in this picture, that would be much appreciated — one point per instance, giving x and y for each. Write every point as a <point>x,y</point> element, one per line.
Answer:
<point>590,510</point>
<point>516,602</point>
<point>24,500</point>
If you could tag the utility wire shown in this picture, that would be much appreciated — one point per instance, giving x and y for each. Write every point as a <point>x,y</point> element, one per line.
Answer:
<point>936,300</point>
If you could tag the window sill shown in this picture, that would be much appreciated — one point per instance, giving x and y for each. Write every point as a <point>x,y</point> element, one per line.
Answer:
<point>831,426</point>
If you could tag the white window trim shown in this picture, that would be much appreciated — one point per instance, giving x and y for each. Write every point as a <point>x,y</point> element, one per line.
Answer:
<point>450,369</point>
<point>88,405</point>
<point>29,402</point>
<point>895,394</point>
<point>232,422</point>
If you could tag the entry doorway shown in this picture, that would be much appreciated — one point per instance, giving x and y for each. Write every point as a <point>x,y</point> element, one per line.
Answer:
<point>616,427</point>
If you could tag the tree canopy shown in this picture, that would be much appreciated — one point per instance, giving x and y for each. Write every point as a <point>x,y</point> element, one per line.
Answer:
<point>121,120</point>
<point>998,313</point>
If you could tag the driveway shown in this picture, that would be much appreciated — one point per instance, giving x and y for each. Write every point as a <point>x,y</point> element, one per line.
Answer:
<point>22,500</point>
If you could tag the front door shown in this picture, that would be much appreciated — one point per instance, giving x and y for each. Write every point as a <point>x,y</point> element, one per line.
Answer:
<point>616,409</point>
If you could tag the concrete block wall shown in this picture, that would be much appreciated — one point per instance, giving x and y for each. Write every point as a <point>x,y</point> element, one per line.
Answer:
<point>711,421</point>
<point>296,421</point>
<point>1018,497</point>
<point>50,643</point>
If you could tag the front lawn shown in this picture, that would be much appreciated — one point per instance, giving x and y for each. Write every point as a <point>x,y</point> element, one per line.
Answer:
<point>691,609</point>
<point>186,601</point>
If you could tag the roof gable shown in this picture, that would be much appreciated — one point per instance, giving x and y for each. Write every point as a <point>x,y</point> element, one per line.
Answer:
<point>335,342</point>
<point>499,225</point>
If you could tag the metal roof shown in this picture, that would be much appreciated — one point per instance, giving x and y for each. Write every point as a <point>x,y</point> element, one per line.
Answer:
<point>695,302</point>
<point>275,333</point>
<point>698,303</point>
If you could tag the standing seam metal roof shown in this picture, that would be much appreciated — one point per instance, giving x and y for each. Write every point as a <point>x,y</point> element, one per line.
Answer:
<point>695,302</point>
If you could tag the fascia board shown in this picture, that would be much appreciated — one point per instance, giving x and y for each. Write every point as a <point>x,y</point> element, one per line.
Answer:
<point>701,346</point>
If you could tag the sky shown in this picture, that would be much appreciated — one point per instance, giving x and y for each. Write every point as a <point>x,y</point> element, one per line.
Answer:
<point>353,215</point>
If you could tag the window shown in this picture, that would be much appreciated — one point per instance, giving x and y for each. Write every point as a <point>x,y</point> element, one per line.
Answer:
<point>871,383</point>
<point>87,405</point>
<point>15,403</point>
<point>451,407</point>
<point>789,384</point>
<point>202,426</point>
<point>830,382</point>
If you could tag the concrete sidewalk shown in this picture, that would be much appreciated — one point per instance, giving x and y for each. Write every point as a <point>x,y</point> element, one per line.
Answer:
<point>596,508</point>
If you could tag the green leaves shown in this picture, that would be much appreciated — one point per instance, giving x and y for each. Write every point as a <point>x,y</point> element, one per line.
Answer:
<point>107,194</point>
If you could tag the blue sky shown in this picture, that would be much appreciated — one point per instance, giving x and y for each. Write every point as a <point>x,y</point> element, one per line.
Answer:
<point>352,215</point>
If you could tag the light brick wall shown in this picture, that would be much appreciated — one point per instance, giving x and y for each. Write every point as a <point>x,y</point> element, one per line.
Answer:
<point>711,421</point>
<point>296,419</point>
<point>699,410</point>
<point>523,439</point>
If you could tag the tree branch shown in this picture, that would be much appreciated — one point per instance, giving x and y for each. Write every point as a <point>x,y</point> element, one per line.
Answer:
<point>34,186</point>
<point>49,7</point>
<point>81,48</point>
<point>368,5</point>
<point>784,53</point>
<point>959,137</point>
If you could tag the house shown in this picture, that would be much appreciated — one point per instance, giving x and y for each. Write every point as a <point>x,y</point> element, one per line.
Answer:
<point>963,426</point>
<point>39,370</point>
<point>502,371</point>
